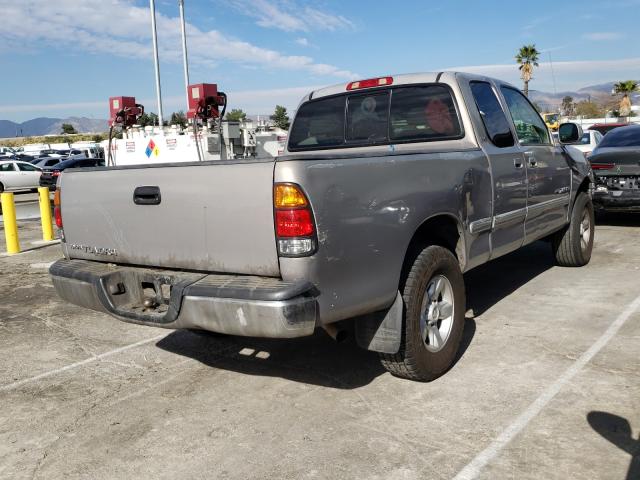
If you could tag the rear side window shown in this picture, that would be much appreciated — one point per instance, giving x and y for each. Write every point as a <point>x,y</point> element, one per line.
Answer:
<point>7,167</point>
<point>423,113</point>
<point>27,167</point>
<point>319,124</point>
<point>622,137</point>
<point>493,117</point>
<point>402,114</point>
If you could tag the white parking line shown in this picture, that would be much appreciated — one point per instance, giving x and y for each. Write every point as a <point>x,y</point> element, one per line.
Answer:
<point>95,358</point>
<point>473,469</point>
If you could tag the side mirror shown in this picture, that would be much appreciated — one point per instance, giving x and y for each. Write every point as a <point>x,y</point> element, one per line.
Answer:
<point>569,133</point>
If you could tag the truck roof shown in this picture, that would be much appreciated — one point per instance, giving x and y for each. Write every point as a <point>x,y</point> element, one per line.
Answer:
<point>404,79</point>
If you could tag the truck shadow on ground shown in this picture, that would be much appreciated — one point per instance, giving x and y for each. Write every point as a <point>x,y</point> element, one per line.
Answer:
<point>617,430</point>
<point>487,284</point>
<point>318,360</point>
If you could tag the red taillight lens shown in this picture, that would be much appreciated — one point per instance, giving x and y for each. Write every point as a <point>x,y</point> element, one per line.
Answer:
<point>55,173</point>
<point>602,166</point>
<point>57,213</point>
<point>294,223</point>
<point>58,216</point>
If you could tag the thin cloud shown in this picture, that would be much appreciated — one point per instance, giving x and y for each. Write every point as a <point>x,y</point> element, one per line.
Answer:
<point>302,41</point>
<point>603,36</point>
<point>290,17</point>
<point>120,28</point>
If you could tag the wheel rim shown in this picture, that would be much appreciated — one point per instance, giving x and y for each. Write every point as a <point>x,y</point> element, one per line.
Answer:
<point>436,313</point>
<point>585,230</point>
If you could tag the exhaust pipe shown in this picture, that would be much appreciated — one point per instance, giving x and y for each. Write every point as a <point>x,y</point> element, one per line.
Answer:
<point>338,334</point>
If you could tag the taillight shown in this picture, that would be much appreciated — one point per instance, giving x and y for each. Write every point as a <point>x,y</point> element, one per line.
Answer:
<point>602,166</point>
<point>57,212</point>
<point>294,223</point>
<point>295,228</point>
<point>370,82</point>
<point>55,173</point>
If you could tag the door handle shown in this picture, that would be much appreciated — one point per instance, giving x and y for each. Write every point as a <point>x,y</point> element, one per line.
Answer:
<point>147,195</point>
<point>531,159</point>
<point>517,162</point>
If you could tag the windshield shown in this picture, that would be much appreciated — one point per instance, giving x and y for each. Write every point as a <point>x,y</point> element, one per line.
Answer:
<point>622,137</point>
<point>553,118</point>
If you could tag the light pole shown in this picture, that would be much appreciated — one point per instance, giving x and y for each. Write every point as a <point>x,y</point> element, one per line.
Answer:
<point>184,50</point>
<point>154,37</point>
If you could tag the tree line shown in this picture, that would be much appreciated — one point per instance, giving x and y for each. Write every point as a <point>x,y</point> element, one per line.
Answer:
<point>280,118</point>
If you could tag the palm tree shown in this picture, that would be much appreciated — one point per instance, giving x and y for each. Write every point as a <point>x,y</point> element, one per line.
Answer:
<point>527,58</point>
<point>625,88</point>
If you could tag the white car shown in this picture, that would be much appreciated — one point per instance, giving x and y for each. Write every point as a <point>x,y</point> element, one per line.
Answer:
<point>589,141</point>
<point>16,175</point>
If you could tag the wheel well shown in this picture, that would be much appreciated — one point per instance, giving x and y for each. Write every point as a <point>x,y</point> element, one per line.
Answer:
<point>441,230</point>
<point>584,186</point>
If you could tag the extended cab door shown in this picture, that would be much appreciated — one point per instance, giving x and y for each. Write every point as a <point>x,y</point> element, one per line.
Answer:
<point>508,171</point>
<point>549,175</point>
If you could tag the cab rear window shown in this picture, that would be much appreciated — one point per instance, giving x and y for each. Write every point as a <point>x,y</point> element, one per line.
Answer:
<point>381,116</point>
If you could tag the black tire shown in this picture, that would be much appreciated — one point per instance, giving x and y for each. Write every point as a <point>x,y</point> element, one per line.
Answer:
<point>1,187</point>
<point>415,361</point>
<point>570,246</point>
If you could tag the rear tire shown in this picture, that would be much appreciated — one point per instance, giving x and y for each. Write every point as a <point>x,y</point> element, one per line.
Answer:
<point>573,245</point>
<point>1,187</point>
<point>433,319</point>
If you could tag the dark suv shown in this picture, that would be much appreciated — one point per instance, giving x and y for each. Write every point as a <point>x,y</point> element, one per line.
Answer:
<point>50,175</point>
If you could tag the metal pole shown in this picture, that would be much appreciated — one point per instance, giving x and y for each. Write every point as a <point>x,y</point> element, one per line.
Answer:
<point>154,36</point>
<point>184,51</point>
<point>45,214</point>
<point>10,224</point>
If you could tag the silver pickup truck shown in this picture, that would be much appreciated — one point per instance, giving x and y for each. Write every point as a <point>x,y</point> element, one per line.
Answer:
<point>389,190</point>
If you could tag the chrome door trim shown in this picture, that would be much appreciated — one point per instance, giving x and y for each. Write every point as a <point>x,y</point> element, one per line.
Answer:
<point>479,226</point>
<point>509,217</point>
<point>538,209</point>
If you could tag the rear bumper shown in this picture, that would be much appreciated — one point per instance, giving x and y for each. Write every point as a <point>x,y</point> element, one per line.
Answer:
<point>617,200</point>
<point>230,304</point>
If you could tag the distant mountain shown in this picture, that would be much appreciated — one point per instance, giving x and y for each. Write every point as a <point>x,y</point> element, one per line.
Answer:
<point>50,126</point>
<point>601,92</point>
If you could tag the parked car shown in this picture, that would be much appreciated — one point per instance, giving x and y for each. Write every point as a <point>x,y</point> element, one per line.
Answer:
<point>605,128</point>
<point>389,189</point>
<point>616,166</point>
<point>588,142</point>
<point>17,175</point>
<point>50,175</point>
<point>44,162</point>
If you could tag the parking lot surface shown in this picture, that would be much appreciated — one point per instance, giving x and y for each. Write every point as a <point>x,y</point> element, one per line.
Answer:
<point>546,386</point>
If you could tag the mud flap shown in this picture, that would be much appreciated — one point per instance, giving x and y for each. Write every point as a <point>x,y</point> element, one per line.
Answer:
<point>381,331</point>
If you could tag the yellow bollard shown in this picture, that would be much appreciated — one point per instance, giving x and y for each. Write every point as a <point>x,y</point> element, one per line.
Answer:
<point>45,214</point>
<point>10,225</point>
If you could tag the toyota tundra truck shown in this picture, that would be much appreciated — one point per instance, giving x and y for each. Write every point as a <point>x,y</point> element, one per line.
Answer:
<point>389,190</point>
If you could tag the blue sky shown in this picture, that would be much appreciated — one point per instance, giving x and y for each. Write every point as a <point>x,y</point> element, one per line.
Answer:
<point>66,57</point>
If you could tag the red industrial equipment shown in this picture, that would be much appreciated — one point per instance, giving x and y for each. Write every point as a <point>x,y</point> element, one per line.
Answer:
<point>124,110</point>
<point>204,100</point>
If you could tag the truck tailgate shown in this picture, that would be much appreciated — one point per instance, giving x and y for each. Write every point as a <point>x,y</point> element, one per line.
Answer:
<point>212,216</point>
